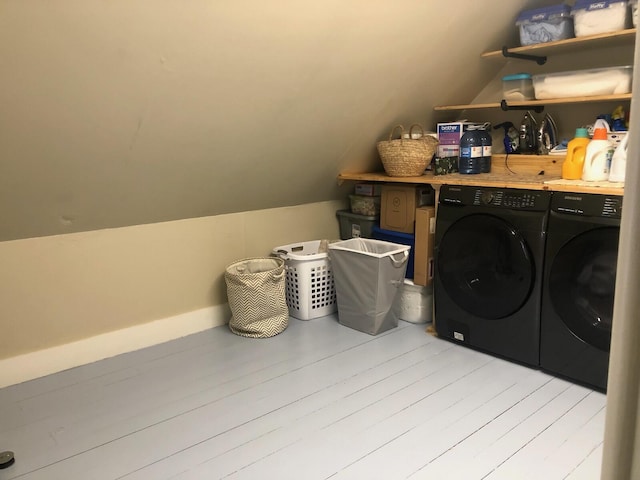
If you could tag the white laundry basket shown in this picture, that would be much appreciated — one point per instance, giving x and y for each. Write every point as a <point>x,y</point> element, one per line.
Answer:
<point>310,289</point>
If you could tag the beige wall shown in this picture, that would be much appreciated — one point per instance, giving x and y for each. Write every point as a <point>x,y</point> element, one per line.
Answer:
<point>141,111</point>
<point>133,134</point>
<point>621,452</point>
<point>60,289</point>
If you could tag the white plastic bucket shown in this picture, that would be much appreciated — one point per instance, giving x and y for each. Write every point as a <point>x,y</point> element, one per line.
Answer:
<point>414,303</point>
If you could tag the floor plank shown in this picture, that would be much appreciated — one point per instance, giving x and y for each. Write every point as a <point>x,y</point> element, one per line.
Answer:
<point>318,401</point>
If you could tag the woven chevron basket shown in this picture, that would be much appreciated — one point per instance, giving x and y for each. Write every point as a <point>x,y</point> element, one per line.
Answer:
<point>256,293</point>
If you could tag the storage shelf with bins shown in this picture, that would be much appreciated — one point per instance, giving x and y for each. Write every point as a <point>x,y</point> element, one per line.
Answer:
<point>622,37</point>
<point>533,172</point>
<point>614,39</point>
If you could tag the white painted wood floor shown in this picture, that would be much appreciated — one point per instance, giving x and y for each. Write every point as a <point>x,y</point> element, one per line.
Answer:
<point>318,401</point>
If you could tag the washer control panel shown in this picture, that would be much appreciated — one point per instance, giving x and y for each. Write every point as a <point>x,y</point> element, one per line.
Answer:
<point>514,199</point>
<point>505,198</point>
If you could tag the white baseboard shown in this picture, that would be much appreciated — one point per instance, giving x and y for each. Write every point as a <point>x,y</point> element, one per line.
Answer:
<point>56,359</point>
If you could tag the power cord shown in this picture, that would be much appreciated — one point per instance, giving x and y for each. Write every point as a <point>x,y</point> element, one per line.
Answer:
<point>506,163</point>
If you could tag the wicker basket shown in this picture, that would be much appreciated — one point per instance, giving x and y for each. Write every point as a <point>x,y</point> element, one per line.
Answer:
<point>406,157</point>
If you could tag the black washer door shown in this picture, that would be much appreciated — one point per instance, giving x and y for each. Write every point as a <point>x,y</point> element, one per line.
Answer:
<point>485,266</point>
<point>582,285</point>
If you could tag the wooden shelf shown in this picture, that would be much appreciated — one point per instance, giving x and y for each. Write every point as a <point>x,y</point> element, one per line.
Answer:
<point>527,182</point>
<point>528,172</point>
<point>622,37</point>
<point>530,182</point>
<point>533,103</point>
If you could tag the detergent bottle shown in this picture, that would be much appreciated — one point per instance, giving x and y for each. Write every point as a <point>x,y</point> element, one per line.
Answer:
<point>576,151</point>
<point>619,161</point>
<point>597,160</point>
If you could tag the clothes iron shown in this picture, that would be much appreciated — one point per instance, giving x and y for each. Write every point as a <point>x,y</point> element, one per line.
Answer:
<point>547,135</point>
<point>528,134</point>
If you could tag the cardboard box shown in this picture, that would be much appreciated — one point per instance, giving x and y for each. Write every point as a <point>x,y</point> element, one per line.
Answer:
<point>450,133</point>
<point>424,261</point>
<point>447,151</point>
<point>399,203</point>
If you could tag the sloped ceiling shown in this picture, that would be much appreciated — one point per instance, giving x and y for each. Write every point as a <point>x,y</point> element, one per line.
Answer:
<point>118,113</point>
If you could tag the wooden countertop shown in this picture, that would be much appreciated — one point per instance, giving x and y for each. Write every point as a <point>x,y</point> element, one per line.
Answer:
<point>526,172</point>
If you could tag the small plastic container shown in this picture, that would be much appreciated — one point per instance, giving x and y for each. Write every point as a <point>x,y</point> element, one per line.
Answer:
<point>517,87</point>
<point>546,24</point>
<point>591,17</point>
<point>353,225</point>
<point>583,83</point>
<point>365,205</point>
<point>310,289</point>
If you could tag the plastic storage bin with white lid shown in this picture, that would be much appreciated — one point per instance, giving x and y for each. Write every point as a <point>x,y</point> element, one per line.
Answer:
<point>583,83</point>
<point>546,24</point>
<point>591,17</point>
<point>517,87</point>
<point>310,289</point>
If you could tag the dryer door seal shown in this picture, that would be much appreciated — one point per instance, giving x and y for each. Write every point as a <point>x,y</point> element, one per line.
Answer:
<point>485,266</point>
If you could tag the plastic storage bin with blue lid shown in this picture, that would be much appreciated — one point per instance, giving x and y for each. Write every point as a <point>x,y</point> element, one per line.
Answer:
<point>592,17</point>
<point>547,24</point>
<point>517,87</point>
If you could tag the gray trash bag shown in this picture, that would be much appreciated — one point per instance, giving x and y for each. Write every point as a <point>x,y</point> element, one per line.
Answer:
<point>256,293</point>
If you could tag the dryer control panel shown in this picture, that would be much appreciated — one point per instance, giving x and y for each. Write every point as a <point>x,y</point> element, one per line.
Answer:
<point>533,200</point>
<point>587,205</point>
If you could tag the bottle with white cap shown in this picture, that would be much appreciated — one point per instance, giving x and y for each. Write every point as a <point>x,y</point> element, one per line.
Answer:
<point>619,161</point>
<point>597,161</point>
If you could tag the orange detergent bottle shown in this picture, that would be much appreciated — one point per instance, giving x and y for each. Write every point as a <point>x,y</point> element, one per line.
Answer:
<point>576,151</point>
